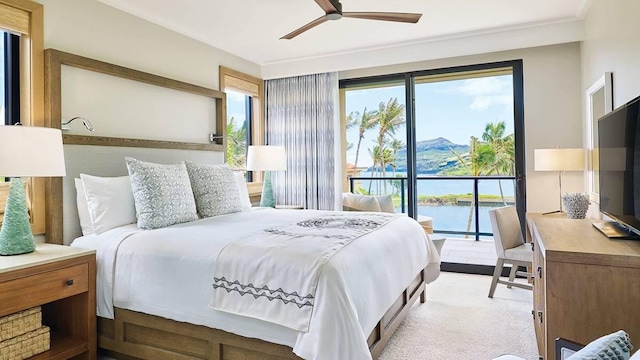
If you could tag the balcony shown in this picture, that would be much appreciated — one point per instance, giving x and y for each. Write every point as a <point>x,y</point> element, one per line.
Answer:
<point>459,206</point>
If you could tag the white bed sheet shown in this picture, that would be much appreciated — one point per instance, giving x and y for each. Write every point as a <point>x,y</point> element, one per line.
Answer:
<point>168,272</point>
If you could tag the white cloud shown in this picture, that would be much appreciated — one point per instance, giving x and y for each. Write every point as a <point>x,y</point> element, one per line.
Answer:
<point>484,102</point>
<point>487,91</point>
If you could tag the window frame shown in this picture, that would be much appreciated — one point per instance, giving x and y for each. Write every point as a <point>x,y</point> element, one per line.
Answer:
<point>11,81</point>
<point>254,88</point>
<point>26,18</point>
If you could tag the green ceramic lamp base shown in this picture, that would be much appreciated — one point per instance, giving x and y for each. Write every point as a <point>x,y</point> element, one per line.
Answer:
<point>267,199</point>
<point>15,235</point>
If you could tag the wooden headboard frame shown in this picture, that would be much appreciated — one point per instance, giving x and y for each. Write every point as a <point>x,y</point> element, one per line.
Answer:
<point>54,59</point>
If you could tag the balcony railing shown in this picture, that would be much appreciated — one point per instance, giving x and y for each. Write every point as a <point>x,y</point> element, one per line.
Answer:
<point>445,199</point>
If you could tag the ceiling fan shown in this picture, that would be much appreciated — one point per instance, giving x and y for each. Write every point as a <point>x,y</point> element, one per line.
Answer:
<point>333,11</point>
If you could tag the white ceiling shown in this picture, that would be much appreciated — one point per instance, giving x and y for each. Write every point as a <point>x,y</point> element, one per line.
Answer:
<point>251,28</point>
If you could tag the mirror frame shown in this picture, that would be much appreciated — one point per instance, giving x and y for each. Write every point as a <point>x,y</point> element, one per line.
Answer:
<point>605,82</point>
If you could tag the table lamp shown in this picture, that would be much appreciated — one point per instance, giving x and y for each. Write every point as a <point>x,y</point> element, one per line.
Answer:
<point>25,151</point>
<point>266,158</point>
<point>559,160</point>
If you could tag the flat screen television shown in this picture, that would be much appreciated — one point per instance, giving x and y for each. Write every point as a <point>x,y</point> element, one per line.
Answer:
<point>619,170</point>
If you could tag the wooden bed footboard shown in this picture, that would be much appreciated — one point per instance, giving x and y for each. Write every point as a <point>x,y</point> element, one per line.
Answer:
<point>133,335</point>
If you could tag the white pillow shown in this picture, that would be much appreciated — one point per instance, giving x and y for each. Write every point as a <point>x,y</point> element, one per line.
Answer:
<point>361,202</point>
<point>109,201</point>
<point>83,208</point>
<point>245,202</point>
<point>386,203</point>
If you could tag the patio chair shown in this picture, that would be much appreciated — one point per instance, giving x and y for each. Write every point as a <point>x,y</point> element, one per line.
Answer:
<point>510,247</point>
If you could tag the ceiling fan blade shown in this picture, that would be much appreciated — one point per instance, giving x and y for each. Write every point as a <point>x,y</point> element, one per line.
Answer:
<point>386,16</point>
<point>326,5</point>
<point>304,28</point>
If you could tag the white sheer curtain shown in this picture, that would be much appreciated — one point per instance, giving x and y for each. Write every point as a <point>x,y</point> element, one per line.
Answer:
<point>301,114</point>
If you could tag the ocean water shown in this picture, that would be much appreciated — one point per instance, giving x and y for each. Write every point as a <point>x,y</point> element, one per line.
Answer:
<point>444,187</point>
<point>452,217</point>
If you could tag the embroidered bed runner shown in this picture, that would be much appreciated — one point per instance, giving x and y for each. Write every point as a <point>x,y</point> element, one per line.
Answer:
<point>272,275</point>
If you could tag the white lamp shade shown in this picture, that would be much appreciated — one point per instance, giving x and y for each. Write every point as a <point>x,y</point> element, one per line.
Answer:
<point>559,159</point>
<point>31,151</point>
<point>266,157</point>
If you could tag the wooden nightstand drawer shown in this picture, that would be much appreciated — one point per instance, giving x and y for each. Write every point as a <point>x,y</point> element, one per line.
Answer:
<point>42,288</point>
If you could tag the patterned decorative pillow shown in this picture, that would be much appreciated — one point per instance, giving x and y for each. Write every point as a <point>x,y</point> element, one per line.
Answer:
<point>215,189</point>
<point>162,194</point>
<point>616,346</point>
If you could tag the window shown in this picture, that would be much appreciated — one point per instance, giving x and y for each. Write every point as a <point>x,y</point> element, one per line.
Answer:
<point>21,24</point>
<point>239,114</point>
<point>244,119</point>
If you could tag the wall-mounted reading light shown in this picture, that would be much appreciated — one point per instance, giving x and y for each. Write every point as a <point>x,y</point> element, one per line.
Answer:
<point>213,137</point>
<point>85,122</point>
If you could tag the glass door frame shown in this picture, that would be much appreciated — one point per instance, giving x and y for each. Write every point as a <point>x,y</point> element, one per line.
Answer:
<point>518,117</point>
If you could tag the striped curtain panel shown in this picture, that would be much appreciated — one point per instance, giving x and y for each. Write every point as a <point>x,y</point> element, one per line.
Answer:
<point>300,115</point>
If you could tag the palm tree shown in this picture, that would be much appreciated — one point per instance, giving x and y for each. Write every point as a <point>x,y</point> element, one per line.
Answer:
<point>387,158</point>
<point>364,122</point>
<point>382,157</point>
<point>236,144</point>
<point>395,146</point>
<point>479,160</point>
<point>390,117</point>
<point>504,149</point>
<point>374,153</point>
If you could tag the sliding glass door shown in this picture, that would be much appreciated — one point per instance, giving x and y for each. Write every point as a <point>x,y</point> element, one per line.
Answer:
<point>457,152</point>
<point>376,140</point>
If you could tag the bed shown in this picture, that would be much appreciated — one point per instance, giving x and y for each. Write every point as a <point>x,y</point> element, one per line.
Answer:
<point>154,292</point>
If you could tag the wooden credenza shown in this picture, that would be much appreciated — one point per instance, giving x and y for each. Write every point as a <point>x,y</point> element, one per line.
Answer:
<point>61,280</point>
<point>585,285</point>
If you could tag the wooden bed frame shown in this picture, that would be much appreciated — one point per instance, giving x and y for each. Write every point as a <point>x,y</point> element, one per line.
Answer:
<point>134,335</point>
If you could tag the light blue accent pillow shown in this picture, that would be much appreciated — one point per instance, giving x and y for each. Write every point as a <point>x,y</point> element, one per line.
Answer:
<point>616,346</point>
<point>161,193</point>
<point>214,188</point>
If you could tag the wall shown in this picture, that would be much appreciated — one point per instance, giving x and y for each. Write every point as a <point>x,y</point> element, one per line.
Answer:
<point>612,44</point>
<point>92,29</point>
<point>553,98</point>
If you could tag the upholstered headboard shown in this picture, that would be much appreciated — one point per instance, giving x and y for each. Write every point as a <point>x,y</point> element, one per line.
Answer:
<point>119,101</point>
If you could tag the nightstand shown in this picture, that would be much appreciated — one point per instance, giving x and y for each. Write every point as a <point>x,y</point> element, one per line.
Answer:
<point>62,280</point>
<point>290,207</point>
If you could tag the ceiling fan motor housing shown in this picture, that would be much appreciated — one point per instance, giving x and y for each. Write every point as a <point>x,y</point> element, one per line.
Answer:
<point>337,15</point>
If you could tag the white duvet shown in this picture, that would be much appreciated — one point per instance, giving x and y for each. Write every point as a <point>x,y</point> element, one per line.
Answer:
<point>168,272</point>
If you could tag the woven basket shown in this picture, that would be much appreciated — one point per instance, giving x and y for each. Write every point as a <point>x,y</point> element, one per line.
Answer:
<point>20,323</point>
<point>26,345</point>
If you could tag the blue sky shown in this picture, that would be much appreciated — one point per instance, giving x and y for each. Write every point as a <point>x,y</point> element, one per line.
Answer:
<point>235,107</point>
<point>455,110</point>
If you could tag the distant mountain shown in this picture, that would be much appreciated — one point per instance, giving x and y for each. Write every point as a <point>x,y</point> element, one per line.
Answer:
<point>433,156</point>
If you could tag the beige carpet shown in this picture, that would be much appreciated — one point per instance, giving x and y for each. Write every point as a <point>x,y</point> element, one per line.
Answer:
<point>460,322</point>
